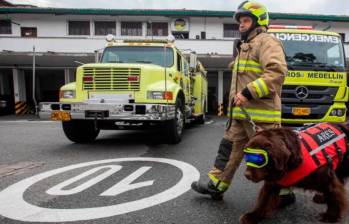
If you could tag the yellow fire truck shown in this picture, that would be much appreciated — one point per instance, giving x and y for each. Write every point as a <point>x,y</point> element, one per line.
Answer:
<point>137,84</point>
<point>315,89</point>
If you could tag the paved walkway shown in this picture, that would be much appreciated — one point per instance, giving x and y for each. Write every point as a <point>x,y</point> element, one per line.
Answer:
<point>14,117</point>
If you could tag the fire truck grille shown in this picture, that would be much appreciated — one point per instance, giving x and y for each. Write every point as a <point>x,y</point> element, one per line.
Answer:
<point>308,94</point>
<point>120,79</point>
<point>317,98</point>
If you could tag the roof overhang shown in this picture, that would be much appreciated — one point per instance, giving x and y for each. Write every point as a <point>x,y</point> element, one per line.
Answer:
<point>174,13</point>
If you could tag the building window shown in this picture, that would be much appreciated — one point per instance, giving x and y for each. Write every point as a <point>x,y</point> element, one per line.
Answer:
<point>131,28</point>
<point>157,29</point>
<point>5,27</point>
<point>79,27</point>
<point>231,30</point>
<point>105,28</point>
<point>29,32</point>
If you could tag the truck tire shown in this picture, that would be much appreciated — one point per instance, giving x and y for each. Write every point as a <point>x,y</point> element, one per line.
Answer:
<point>175,127</point>
<point>201,119</point>
<point>80,131</point>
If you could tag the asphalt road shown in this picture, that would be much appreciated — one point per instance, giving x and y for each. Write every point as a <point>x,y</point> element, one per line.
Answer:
<point>30,148</point>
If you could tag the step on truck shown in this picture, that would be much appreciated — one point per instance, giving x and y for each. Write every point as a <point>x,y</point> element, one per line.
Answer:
<point>315,89</point>
<point>138,84</point>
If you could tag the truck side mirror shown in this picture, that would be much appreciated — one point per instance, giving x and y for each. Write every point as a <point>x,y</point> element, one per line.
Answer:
<point>193,62</point>
<point>96,56</point>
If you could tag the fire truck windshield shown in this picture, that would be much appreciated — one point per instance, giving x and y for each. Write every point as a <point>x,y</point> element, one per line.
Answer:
<point>139,54</point>
<point>313,51</point>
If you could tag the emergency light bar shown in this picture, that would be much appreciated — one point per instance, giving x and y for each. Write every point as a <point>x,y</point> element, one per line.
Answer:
<point>145,41</point>
<point>290,27</point>
<point>170,39</point>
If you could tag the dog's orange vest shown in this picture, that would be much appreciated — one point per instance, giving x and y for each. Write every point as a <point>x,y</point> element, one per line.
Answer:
<point>320,144</point>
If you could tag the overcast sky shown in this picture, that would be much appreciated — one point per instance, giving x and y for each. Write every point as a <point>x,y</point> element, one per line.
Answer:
<point>333,7</point>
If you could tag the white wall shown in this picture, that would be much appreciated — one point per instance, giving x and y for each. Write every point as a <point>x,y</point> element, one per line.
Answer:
<point>56,25</point>
<point>53,33</point>
<point>89,45</point>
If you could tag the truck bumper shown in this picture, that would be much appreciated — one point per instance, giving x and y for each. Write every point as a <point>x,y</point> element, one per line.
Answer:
<point>319,113</point>
<point>105,111</point>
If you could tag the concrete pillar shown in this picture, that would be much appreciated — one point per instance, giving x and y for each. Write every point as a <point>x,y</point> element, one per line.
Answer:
<point>19,85</point>
<point>220,87</point>
<point>220,93</point>
<point>144,29</point>
<point>118,29</point>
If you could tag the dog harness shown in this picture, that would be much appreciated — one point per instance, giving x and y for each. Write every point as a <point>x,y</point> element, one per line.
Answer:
<point>321,144</point>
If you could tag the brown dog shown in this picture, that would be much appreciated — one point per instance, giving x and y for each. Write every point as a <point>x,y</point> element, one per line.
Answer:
<point>288,159</point>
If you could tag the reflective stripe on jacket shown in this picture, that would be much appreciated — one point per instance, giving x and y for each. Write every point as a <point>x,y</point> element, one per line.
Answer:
<point>320,145</point>
<point>261,67</point>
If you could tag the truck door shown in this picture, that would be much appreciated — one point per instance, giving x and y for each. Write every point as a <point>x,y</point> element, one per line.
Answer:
<point>180,74</point>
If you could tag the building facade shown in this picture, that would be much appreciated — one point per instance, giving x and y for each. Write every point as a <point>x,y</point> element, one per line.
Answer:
<point>64,38</point>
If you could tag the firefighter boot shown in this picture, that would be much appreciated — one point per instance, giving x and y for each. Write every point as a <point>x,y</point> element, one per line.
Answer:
<point>214,190</point>
<point>208,189</point>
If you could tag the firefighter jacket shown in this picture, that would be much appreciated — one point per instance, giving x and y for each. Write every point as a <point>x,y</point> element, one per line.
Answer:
<point>321,144</point>
<point>258,73</point>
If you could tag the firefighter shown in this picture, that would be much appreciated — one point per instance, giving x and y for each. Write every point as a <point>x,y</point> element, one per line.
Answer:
<point>258,73</point>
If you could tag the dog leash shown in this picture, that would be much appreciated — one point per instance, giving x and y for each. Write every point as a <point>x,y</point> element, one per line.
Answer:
<point>248,118</point>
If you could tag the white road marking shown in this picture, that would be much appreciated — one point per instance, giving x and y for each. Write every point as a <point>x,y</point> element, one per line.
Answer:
<point>24,121</point>
<point>58,189</point>
<point>14,206</point>
<point>126,184</point>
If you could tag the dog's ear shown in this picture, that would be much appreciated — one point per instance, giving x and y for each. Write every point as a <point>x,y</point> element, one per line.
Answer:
<point>279,156</point>
<point>292,143</point>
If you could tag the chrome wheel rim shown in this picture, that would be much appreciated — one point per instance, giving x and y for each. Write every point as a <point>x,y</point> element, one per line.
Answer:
<point>180,121</point>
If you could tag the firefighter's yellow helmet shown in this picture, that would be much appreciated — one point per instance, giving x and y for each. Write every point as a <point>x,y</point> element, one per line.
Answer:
<point>253,9</point>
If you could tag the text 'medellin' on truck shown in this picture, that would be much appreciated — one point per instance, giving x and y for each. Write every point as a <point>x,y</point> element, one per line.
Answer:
<point>138,84</point>
<point>315,89</point>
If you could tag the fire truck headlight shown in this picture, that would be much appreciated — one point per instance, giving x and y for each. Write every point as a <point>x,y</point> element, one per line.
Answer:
<point>68,94</point>
<point>337,112</point>
<point>340,112</point>
<point>160,95</point>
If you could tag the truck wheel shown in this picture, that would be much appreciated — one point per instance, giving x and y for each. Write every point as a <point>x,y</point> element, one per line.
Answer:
<point>80,131</point>
<point>174,128</point>
<point>201,119</point>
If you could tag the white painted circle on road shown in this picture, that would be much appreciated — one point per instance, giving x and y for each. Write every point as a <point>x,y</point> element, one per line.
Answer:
<point>13,205</point>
